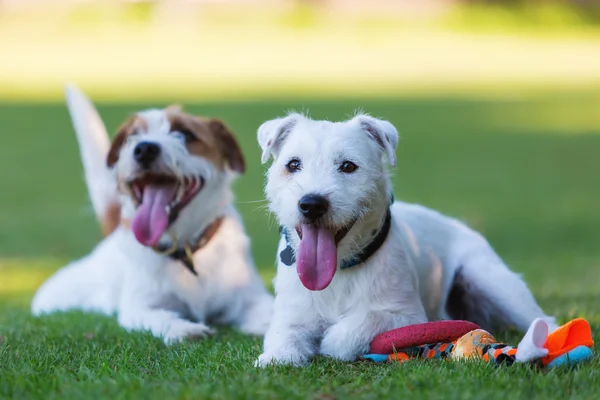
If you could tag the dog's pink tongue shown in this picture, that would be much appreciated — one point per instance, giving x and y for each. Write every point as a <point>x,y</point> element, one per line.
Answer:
<point>151,218</point>
<point>317,257</point>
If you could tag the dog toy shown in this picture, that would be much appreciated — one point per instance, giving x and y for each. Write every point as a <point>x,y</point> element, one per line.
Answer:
<point>568,345</point>
<point>415,335</point>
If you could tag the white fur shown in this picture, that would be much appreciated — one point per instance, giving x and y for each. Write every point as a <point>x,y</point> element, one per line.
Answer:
<point>149,291</point>
<point>407,281</point>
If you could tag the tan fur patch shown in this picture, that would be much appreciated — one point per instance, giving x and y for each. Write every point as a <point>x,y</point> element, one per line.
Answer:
<point>111,219</point>
<point>213,140</point>
<point>129,127</point>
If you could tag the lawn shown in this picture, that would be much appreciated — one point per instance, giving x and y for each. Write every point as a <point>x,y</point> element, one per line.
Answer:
<point>523,169</point>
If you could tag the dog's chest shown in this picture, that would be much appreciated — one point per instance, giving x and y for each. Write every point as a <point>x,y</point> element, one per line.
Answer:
<point>199,292</point>
<point>342,297</point>
<point>212,289</point>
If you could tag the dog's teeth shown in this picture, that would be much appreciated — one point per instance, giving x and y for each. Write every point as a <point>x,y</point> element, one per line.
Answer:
<point>137,192</point>
<point>168,209</point>
<point>196,184</point>
<point>180,193</point>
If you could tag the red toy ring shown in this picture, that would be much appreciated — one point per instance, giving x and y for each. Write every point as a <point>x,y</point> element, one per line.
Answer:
<point>419,334</point>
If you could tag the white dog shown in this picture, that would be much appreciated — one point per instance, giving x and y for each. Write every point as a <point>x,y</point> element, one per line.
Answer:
<point>179,258</point>
<point>352,263</point>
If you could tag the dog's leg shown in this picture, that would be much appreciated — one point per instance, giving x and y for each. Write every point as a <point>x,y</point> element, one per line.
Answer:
<point>486,292</point>
<point>289,342</point>
<point>144,307</point>
<point>292,337</point>
<point>78,286</point>
<point>250,305</point>
<point>351,337</point>
<point>257,316</point>
<point>165,324</point>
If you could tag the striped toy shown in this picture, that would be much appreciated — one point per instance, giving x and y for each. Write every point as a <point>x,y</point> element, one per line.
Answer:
<point>570,344</point>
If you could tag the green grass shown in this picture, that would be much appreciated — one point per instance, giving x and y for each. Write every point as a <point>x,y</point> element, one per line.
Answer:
<point>522,169</point>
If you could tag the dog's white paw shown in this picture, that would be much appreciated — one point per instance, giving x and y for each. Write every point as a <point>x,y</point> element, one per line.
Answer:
<point>294,359</point>
<point>343,344</point>
<point>184,330</point>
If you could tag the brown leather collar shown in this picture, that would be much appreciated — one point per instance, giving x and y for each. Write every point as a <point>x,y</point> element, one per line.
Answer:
<point>186,254</point>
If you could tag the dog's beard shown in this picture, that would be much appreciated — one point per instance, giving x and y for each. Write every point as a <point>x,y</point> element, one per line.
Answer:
<point>159,199</point>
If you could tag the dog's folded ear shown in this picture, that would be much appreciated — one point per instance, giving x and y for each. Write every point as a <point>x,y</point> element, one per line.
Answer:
<point>228,145</point>
<point>382,132</point>
<point>271,134</point>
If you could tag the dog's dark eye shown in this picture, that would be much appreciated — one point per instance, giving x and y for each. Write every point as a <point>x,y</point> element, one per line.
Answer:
<point>294,165</point>
<point>188,136</point>
<point>348,167</point>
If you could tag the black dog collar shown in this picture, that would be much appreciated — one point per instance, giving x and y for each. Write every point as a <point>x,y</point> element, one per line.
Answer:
<point>185,254</point>
<point>288,258</point>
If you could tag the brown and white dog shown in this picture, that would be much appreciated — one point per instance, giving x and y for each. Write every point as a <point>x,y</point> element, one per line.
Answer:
<point>175,257</point>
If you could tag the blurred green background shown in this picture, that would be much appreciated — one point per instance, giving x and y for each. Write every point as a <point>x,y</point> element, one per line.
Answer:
<point>497,103</point>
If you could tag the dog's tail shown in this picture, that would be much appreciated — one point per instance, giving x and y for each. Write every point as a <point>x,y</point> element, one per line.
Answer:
<point>94,145</point>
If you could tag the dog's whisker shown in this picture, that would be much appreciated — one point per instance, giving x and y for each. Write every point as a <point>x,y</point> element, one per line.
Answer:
<point>252,201</point>
<point>264,208</point>
<point>273,222</point>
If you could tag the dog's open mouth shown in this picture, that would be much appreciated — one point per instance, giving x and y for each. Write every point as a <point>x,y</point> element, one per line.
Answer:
<point>159,198</point>
<point>317,254</point>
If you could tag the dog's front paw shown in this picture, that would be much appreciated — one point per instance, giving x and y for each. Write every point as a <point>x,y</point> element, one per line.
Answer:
<point>184,330</point>
<point>342,344</point>
<point>294,359</point>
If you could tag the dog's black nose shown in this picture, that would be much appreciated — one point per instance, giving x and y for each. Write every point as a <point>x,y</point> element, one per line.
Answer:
<point>313,206</point>
<point>146,152</point>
